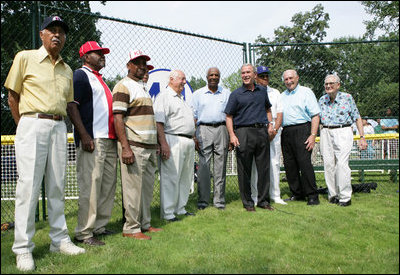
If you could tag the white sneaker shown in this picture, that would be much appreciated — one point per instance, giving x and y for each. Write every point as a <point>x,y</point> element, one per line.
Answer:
<point>280,201</point>
<point>67,248</point>
<point>25,262</point>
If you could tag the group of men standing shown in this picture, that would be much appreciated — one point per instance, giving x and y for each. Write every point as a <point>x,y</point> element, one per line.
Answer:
<point>254,120</point>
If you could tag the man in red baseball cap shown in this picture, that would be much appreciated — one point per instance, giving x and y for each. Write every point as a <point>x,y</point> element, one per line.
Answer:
<point>95,139</point>
<point>92,46</point>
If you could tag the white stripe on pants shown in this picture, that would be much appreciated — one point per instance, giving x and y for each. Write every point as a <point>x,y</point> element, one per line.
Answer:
<point>335,149</point>
<point>176,175</point>
<point>40,149</point>
<point>275,169</point>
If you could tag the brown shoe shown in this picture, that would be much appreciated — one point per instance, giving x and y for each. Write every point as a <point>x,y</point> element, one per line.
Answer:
<point>152,229</point>
<point>250,209</point>
<point>267,206</point>
<point>91,241</point>
<point>138,236</point>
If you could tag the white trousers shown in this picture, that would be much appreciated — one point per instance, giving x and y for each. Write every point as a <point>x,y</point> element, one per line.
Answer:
<point>275,169</point>
<point>41,150</point>
<point>176,176</point>
<point>335,149</point>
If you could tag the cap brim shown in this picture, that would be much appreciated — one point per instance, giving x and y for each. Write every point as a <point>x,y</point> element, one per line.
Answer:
<point>145,56</point>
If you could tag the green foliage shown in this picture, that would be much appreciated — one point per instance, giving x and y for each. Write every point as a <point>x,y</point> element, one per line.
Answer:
<point>197,83</point>
<point>233,81</point>
<point>386,17</point>
<point>17,18</point>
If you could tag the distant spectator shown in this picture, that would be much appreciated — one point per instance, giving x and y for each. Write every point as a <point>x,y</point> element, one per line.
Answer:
<point>390,125</point>
<point>368,130</point>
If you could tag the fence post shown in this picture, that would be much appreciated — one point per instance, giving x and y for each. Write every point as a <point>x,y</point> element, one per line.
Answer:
<point>244,53</point>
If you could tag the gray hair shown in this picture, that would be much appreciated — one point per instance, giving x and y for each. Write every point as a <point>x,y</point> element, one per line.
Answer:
<point>295,73</point>
<point>248,64</point>
<point>208,70</point>
<point>335,76</point>
<point>174,74</point>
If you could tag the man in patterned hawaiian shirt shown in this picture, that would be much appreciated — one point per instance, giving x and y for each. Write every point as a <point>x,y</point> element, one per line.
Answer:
<point>338,112</point>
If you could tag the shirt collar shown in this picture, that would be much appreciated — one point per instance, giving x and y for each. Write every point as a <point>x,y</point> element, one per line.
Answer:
<point>219,90</point>
<point>91,70</point>
<point>328,99</point>
<point>173,93</point>
<point>42,54</point>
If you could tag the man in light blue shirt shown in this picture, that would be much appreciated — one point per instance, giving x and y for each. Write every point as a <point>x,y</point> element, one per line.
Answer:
<point>300,126</point>
<point>212,138</point>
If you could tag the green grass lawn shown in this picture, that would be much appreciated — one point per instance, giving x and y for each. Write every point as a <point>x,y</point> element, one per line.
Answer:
<point>296,238</point>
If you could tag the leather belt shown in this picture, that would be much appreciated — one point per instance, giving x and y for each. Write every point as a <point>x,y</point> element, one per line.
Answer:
<point>213,124</point>
<point>336,126</point>
<point>255,125</point>
<point>181,135</point>
<point>44,116</point>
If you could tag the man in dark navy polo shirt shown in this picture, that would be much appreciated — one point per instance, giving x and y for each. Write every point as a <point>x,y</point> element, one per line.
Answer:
<point>248,113</point>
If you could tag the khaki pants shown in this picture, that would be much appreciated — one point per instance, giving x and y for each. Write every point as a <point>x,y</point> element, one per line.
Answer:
<point>137,188</point>
<point>97,178</point>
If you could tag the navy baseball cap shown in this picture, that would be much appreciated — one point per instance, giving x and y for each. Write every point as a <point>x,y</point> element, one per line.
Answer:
<point>54,20</point>
<point>263,70</point>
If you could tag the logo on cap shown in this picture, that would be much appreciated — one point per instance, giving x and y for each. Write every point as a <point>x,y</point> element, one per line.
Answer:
<point>56,18</point>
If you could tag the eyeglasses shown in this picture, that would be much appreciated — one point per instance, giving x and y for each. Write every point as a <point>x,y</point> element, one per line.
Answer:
<point>330,83</point>
<point>263,76</point>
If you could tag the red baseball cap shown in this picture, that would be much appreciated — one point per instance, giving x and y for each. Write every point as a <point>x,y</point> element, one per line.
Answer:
<point>133,54</point>
<point>92,46</point>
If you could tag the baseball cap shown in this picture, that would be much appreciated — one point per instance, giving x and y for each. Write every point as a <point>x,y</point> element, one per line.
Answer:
<point>150,67</point>
<point>92,46</point>
<point>133,54</point>
<point>54,20</point>
<point>263,70</point>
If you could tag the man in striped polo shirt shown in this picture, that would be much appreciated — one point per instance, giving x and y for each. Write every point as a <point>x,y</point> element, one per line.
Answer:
<point>136,130</point>
<point>95,139</point>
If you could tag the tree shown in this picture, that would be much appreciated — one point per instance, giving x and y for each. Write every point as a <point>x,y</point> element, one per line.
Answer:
<point>18,17</point>
<point>309,61</point>
<point>386,17</point>
<point>233,81</point>
<point>197,83</point>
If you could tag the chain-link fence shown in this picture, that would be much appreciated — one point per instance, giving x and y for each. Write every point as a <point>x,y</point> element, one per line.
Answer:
<point>370,77</point>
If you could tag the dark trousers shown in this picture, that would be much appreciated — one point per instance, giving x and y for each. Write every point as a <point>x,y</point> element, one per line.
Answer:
<point>297,161</point>
<point>253,143</point>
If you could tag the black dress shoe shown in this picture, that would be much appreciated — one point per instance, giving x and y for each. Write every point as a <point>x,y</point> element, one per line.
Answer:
<point>250,209</point>
<point>92,241</point>
<point>189,214</point>
<point>174,219</point>
<point>313,201</point>
<point>347,203</point>
<point>267,206</point>
<point>334,200</point>
<point>106,232</point>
